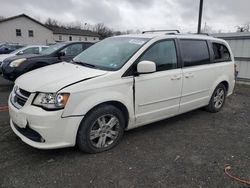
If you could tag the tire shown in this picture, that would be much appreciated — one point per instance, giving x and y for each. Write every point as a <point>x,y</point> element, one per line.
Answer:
<point>217,100</point>
<point>101,129</point>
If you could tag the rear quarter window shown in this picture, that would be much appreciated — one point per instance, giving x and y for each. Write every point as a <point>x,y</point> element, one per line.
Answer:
<point>221,52</point>
<point>194,52</point>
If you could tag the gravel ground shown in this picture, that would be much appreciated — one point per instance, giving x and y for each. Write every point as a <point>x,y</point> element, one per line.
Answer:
<point>190,150</point>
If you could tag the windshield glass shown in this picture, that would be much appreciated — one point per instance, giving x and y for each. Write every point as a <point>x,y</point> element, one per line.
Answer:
<point>52,49</point>
<point>17,50</point>
<point>111,53</point>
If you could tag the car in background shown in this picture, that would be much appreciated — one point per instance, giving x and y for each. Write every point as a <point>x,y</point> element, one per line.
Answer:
<point>6,48</point>
<point>31,49</point>
<point>13,67</point>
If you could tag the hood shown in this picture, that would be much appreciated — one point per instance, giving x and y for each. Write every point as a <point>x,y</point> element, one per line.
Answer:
<point>27,56</point>
<point>4,56</point>
<point>54,77</point>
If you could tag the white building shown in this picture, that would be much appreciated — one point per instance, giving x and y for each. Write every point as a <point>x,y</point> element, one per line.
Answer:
<point>22,29</point>
<point>240,45</point>
<point>64,34</point>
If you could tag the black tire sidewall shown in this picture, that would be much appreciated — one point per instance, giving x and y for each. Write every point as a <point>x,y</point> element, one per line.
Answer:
<point>83,135</point>
<point>211,103</point>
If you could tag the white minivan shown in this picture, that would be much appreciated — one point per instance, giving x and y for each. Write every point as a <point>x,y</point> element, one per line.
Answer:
<point>118,84</point>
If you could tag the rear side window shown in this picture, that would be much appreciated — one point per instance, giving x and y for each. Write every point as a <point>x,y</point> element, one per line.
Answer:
<point>163,54</point>
<point>194,52</point>
<point>221,53</point>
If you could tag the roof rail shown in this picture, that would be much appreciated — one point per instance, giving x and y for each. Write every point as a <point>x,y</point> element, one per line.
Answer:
<point>171,31</point>
<point>203,34</point>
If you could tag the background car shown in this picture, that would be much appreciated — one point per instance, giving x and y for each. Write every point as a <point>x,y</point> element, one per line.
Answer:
<point>31,49</point>
<point>7,48</point>
<point>15,66</point>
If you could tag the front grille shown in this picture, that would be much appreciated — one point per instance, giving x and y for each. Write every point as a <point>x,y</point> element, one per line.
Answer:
<point>19,97</point>
<point>24,93</point>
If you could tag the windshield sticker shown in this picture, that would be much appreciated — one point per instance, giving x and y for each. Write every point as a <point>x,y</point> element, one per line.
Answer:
<point>113,65</point>
<point>136,41</point>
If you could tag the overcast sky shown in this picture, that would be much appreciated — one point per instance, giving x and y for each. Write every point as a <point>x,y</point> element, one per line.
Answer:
<point>123,15</point>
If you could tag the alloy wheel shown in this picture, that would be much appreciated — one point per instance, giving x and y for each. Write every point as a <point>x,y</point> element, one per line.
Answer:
<point>104,131</point>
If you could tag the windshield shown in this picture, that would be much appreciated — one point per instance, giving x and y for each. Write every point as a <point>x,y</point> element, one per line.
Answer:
<point>111,53</point>
<point>17,50</point>
<point>52,49</point>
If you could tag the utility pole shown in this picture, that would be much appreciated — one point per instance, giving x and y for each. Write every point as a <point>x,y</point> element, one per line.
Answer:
<point>200,17</point>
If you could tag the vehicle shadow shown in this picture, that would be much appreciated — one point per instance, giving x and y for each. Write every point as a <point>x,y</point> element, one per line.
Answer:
<point>156,126</point>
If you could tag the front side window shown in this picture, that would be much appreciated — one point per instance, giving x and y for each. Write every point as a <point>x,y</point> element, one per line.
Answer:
<point>73,50</point>
<point>31,33</point>
<point>194,52</point>
<point>221,53</point>
<point>111,53</point>
<point>163,54</point>
<point>70,38</point>
<point>60,37</point>
<point>32,50</point>
<point>18,32</point>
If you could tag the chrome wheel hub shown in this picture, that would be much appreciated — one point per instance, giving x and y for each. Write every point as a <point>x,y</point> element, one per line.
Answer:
<point>104,131</point>
<point>219,98</point>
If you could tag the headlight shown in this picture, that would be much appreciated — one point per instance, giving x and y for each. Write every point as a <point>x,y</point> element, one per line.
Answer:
<point>51,101</point>
<point>17,62</point>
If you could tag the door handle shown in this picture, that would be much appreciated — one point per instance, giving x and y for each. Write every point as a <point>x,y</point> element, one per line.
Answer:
<point>176,77</point>
<point>189,75</point>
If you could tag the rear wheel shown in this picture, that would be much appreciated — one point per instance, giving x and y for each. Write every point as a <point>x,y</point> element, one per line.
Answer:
<point>218,99</point>
<point>101,129</point>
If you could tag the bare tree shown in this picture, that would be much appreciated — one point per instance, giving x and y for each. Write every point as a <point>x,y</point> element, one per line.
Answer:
<point>243,28</point>
<point>52,22</point>
<point>103,30</point>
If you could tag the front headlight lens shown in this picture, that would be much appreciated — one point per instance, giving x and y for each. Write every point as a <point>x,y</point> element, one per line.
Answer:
<point>51,101</point>
<point>17,62</point>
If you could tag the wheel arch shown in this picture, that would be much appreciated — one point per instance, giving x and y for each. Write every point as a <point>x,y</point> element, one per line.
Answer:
<point>118,105</point>
<point>222,80</point>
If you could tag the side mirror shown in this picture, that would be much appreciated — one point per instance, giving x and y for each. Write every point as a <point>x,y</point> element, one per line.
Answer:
<point>145,67</point>
<point>20,53</point>
<point>60,54</point>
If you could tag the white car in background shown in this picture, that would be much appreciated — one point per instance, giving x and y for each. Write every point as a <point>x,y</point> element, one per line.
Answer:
<point>31,49</point>
<point>118,84</point>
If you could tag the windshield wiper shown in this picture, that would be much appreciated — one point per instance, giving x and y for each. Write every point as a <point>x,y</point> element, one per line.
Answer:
<point>84,64</point>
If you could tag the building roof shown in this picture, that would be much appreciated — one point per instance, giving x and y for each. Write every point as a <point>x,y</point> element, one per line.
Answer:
<point>57,29</point>
<point>26,16</point>
<point>72,31</point>
<point>233,36</point>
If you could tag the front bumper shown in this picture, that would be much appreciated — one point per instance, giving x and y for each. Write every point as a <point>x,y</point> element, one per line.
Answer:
<point>30,122</point>
<point>10,73</point>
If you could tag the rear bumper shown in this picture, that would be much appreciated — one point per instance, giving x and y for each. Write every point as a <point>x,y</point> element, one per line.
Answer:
<point>231,88</point>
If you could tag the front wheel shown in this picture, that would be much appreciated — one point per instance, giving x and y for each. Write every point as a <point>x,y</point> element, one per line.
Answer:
<point>101,129</point>
<point>218,99</point>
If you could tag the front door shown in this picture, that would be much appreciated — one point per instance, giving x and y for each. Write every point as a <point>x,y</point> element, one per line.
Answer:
<point>157,95</point>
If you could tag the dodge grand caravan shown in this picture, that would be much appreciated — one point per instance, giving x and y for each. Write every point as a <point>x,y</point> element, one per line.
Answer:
<point>118,84</point>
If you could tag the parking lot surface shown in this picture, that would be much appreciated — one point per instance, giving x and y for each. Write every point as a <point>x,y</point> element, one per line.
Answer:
<point>190,150</point>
